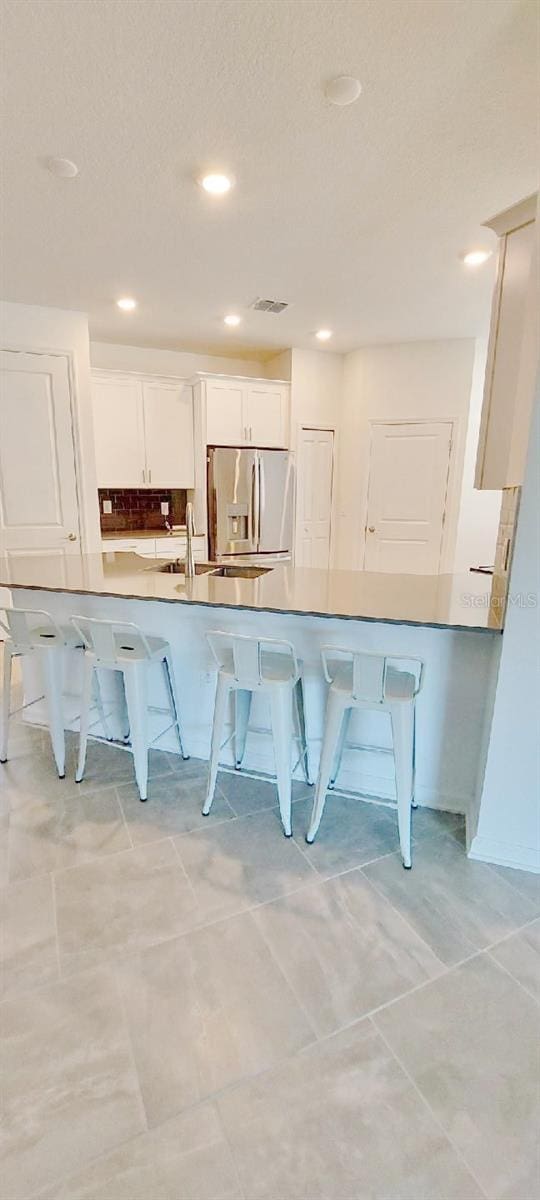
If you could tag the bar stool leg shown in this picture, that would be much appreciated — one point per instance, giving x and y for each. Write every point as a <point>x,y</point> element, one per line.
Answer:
<point>52,685</point>
<point>414,803</point>
<point>135,680</point>
<point>86,700</point>
<point>242,708</point>
<point>333,723</point>
<point>340,747</point>
<point>301,716</point>
<point>173,701</point>
<point>220,712</point>
<point>6,701</point>
<point>402,715</point>
<point>282,729</point>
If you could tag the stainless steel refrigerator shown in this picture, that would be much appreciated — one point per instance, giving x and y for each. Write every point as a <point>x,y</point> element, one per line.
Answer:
<point>250,502</point>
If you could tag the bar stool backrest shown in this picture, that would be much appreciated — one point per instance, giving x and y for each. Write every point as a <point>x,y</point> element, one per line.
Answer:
<point>100,637</point>
<point>21,625</point>
<point>245,656</point>
<point>369,671</point>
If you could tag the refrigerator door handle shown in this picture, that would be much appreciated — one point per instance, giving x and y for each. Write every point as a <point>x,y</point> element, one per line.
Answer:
<point>253,507</point>
<point>256,501</point>
<point>261,504</point>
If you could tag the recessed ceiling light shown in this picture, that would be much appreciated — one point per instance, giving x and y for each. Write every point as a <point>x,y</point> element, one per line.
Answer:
<point>216,185</point>
<point>323,334</point>
<point>343,90</point>
<point>62,167</point>
<point>126,303</point>
<point>232,319</point>
<point>475,258</point>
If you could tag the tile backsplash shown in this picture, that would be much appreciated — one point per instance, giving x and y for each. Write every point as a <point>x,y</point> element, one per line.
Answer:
<point>140,508</point>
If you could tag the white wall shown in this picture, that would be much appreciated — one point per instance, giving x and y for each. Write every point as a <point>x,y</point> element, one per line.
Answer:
<point>27,327</point>
<point>427,380</point>
<point>479,511</point>
<point>111,357</point>
<point>508,829</point>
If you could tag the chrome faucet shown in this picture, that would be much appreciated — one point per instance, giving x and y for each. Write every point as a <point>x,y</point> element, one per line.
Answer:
<point>190,533</point>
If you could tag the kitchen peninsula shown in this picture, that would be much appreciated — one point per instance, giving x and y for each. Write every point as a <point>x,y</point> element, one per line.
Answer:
<point>443,619</point>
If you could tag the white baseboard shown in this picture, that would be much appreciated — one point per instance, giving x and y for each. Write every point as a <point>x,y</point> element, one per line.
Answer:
<point>505,854</point>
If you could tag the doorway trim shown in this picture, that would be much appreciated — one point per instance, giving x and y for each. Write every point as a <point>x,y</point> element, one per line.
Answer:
<point>453,481</point>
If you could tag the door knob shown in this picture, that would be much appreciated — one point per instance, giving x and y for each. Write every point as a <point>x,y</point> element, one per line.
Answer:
<point>72,537</point>
<point>371,529</point>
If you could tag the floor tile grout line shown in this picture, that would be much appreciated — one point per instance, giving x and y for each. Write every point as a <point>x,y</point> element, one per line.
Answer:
<point>512,933</point>
<point>123,815</point>
<point>288,981</point>
<point>131,1049</point>
<point>380,892</point>
<point>425,1102</point>
<point>507,971</point>
<point>56,934</point>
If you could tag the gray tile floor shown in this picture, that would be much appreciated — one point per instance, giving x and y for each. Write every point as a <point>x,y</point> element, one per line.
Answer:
<point>203,1010</point>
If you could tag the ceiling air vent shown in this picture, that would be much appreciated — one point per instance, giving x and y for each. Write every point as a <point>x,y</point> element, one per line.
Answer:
<point>273,306</point>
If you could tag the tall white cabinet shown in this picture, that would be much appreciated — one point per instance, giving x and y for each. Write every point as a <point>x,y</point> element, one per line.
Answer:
<point>143,431</point>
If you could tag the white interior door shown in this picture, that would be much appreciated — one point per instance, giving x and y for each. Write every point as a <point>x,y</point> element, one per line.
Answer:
<point>39,510</point>
<point>408,479</point>
<point>314,497</point>
<point>168,429</point>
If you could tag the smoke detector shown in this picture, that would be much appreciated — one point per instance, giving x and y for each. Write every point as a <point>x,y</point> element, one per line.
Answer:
<point>271,306</point>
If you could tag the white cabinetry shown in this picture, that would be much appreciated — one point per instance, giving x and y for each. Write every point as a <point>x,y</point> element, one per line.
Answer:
<point>512,352</point>
<point>243,412</point>
<point>143,431</point>
<point>160,547</point>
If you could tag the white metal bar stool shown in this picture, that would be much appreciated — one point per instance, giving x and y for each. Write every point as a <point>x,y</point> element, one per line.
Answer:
<point>370,681</point>
<point>122,646</point>
<point>33,631</point>
<point>248,665</point>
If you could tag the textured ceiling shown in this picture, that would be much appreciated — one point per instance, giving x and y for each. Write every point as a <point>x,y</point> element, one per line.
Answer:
<point>356,216</point>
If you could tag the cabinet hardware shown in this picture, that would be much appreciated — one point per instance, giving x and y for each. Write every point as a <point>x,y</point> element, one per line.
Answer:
<point>150,475</point>
<point>371,529</point>
<point>72,537</point>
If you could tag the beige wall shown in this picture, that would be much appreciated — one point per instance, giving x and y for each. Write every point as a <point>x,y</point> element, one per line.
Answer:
<point>425,380</point>
<point>112,357</point>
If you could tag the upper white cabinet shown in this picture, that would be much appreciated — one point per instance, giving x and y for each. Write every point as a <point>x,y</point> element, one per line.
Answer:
<point>512,352</point>
<point>243,412</point>
<point>118,432</point>
<point>168,428</point>
<point>143,432</point>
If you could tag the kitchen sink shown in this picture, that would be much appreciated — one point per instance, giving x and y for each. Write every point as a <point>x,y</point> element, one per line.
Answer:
<point>240,571</point>
<point>225,570</point>
<point>177,567</point>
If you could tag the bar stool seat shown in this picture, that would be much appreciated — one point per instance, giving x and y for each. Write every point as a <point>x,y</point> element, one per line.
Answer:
<point>371,682</point>
<point>33,631</point>
<point>123,647</point>
<point>247,666</point>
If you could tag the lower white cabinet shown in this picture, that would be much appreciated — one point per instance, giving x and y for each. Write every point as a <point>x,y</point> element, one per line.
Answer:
<point>161,547</point>
<point>143,431</point>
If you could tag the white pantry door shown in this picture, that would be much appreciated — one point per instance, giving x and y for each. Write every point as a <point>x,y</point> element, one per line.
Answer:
<point>408,480</point>
<point>314,497</point>
<point>39,512</point>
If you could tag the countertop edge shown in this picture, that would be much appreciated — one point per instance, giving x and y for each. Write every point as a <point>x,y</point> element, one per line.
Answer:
<point>260,608</point>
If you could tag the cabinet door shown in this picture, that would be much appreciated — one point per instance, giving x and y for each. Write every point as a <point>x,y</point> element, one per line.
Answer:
<point>266,415</point>
<point>118,432</point>
<point>225,420</point>
<point>168,427</point>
